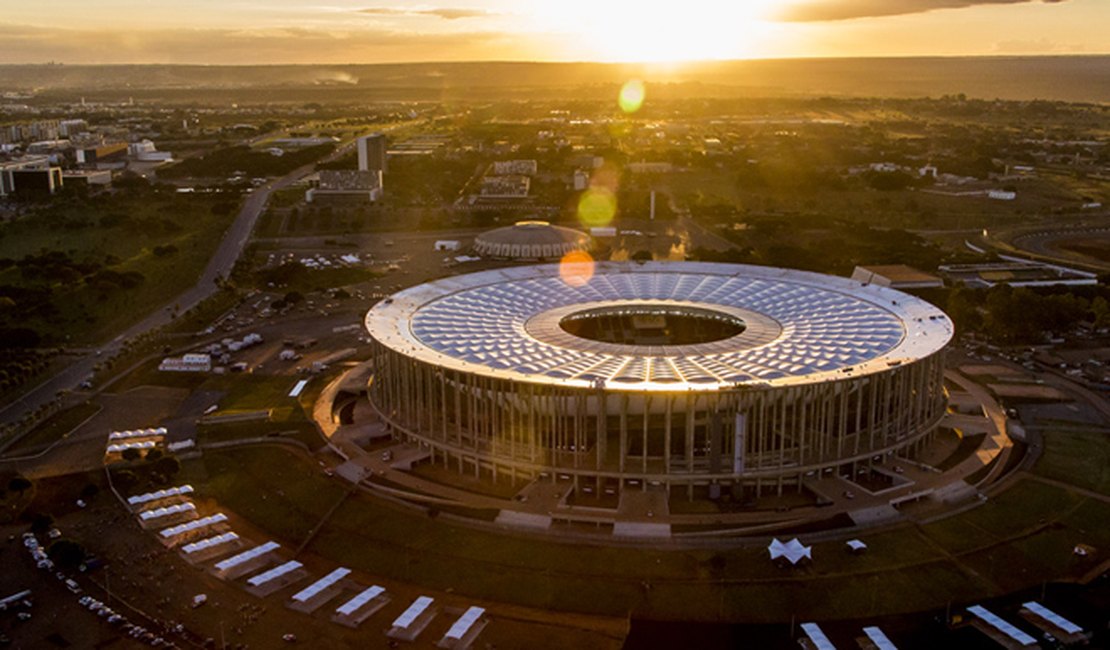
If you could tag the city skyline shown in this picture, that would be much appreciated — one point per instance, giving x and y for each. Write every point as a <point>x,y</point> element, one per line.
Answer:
<point>346,31</point>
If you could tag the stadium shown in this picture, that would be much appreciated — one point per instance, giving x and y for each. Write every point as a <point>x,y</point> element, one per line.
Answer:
<point>682,376</point>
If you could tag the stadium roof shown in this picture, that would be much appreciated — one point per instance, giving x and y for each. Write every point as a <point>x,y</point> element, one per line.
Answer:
<point>801,327</point>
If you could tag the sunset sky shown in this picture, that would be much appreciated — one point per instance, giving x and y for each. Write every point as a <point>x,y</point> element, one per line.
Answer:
<point>350,31</point>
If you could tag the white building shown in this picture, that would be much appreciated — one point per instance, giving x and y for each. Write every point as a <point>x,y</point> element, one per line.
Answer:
<point>187,363</point>
<point>145,151</point>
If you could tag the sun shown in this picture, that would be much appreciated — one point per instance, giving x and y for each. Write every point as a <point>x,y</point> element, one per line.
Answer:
<point>622,30</point>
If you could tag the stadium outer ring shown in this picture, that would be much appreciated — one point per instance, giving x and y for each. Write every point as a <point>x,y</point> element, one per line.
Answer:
<point>828,375</point>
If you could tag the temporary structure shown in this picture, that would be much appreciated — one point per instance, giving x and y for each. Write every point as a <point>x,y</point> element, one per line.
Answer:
<point>792,551</point>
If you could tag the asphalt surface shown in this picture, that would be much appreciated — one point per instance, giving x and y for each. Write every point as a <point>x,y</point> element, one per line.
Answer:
<point>1046,244</point>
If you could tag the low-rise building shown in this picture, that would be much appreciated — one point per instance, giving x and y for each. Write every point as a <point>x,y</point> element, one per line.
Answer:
<point>102,154</point>
<point>515,168</point>
<point>1017,274</point>
<point>896,276</point>
<point>88,177</point>
<point>187,363</point>
<point>29,175</point>
<point>146,151</point>
<point>346,185</point>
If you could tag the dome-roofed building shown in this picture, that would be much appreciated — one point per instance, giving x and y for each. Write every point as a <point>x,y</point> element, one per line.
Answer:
<point>531,240</point>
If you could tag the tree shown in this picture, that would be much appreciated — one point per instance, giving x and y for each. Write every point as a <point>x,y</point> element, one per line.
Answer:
<point>167,466</point>
<point>89,491</point>
<point>41,522</point>
<point>66,553</point>
<point>19,338</point>
<point>125,479</point>
<point>19,485</point>
<point>131,454</point>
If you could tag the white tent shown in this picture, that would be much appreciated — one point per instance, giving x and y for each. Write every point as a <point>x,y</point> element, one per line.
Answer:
<point>793,551</point>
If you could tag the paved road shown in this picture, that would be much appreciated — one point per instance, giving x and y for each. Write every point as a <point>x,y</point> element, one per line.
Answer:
<point>1046,244</point>
<point>223,260</point>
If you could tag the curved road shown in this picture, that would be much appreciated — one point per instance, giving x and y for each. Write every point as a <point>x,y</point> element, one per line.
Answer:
<point>1040,244</point>
<point>1044,244</point>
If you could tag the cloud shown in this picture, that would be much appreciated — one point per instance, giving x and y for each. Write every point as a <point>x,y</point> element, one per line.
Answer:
<point>1038,46</point>
<point>447,13</point>
<point>827,10</point>
<point>33,44</point>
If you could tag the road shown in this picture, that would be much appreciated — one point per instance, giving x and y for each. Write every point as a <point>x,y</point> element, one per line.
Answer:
<point>223,260</point>
<point>1045,244</point>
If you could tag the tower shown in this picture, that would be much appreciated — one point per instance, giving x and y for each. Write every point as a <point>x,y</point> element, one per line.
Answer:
<point>371,153</point>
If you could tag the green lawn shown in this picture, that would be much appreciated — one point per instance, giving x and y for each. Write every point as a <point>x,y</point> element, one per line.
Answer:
<point>117,234</point>
<point>304,432</point>
<point>1009,543</point>
<point>1092,522</point>
<point>1025,505</point>
<point>252,484</point>
<point>1076,456</point>
<point>253,392</point>
<point>56,426</point>
<point>958,535</point>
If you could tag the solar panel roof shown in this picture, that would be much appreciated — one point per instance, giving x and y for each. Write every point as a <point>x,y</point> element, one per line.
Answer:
<point>801,327</point>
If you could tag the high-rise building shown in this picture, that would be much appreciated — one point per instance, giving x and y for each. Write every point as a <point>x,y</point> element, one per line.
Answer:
<point>371,153</point>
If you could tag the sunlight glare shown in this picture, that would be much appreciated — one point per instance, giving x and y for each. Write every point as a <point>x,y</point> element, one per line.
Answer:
<point>622,30</point>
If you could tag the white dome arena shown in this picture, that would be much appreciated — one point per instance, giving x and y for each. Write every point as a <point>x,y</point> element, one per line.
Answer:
<point>531,240</point>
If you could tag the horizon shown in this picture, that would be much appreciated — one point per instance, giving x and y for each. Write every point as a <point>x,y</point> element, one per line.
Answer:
<point>646,64</point>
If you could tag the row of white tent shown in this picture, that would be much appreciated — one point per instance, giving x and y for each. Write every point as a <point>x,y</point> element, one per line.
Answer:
<point>351,612</point>
<point>157,432</point>
<point>1002,631</point>
<point>1009,635</point>
<point>816,639</point>
<point>139,439</point>
<point>207,540</point>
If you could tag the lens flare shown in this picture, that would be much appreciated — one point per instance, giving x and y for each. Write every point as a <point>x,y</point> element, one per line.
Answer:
<point>576,268</point>
<point>597,207</point>
<point>632,96</point>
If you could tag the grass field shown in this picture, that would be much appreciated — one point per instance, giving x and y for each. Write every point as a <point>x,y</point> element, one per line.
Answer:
<point>241,393</point>
<point>1019,539</point>
<point>120,232</point>
<point>303,432</point>
<point>56,426</point>
<point>1080,457</point>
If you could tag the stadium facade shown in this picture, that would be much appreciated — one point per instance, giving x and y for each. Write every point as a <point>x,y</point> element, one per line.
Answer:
<point>666,374</point>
